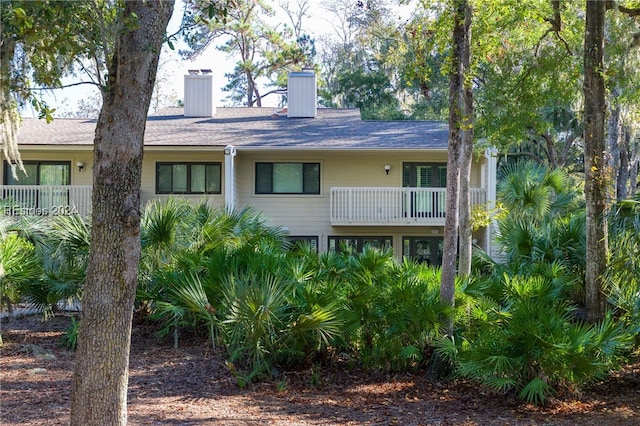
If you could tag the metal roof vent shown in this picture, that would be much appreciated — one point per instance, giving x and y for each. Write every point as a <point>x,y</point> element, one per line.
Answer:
<point>302,94</point>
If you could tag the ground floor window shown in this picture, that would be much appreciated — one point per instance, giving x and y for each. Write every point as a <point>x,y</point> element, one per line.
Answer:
<point>296,241</point>
<point>357,244</point>
<point>424,249</point>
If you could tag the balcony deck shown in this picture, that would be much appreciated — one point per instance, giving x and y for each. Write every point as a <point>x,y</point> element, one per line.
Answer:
<point>45,200</point>
<point>383,206</point>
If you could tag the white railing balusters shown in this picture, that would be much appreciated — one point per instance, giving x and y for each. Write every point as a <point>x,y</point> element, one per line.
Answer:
<point>393,206</point>
<point>45,200</point>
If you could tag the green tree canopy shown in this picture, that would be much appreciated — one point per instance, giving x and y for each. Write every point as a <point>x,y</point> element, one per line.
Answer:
<point>263,50</point>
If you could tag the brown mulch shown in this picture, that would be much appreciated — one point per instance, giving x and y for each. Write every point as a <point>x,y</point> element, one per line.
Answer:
<point>192,386</point>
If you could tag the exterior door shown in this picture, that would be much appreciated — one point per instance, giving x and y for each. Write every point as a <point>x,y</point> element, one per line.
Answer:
<point>424,249</point>
<point>425,175</point>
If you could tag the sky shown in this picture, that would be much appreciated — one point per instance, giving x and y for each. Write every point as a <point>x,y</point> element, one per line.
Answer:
<point>173,67</point>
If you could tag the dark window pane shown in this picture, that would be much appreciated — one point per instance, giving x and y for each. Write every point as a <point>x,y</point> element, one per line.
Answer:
<point>406,175</point>
<point>442,176</point>
<point>264,178</point>
<point>164,178</point>
<point>312,178</point>
<point>213,178</point>
<point>30,178</point>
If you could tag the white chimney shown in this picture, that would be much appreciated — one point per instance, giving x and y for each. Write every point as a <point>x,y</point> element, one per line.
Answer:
<point>198,94</point>
<point>302,94</point>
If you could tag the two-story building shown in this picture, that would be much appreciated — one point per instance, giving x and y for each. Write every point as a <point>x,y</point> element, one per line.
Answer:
<point>324,175</point>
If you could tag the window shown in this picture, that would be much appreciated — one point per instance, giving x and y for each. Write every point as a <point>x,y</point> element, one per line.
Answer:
<point>188,178</point>
<point>357,244</point>
<point>55,175</point>
<point>287,178</point>
<point>424,249</point>
<point>424,175</point>
<point>40,173</point>
<point>298,241</point>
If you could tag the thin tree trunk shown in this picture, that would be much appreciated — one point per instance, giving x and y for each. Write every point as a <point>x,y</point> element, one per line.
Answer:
<point>99,394</point>
<point>249,91</point>
<point>622,176</point>
<point>456,108</point>
<point>634,165</point>
<point>466,231</point>
<point>613,138</point>
<point>596,174</point>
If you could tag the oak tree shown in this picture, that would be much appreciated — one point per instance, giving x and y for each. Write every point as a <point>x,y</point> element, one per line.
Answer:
<point>101,373</point>
<point>457,121</point>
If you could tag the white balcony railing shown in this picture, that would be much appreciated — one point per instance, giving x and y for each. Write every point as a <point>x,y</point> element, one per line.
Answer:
<point>392,206</point>
<point>45,200</point>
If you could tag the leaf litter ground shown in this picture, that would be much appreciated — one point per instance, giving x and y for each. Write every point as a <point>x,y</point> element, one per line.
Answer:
<point>193,386</point>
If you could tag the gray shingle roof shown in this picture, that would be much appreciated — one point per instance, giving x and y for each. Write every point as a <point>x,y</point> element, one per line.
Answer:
<point>254,128</point>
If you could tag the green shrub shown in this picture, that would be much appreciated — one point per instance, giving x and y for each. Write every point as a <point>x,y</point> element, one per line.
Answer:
<point>622,277</point>
<point>69,340</point>
<point>530,342</point>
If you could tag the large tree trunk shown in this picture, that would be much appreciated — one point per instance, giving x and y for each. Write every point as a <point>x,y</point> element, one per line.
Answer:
<point>456,108</point>
<point>466,231</point>
<point>596,174</point>
<point>9,113</point>
<point>99,393</point>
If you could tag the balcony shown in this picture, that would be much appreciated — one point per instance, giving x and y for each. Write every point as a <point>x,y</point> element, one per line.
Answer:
<point>45,200</point>
<point>382,206</point>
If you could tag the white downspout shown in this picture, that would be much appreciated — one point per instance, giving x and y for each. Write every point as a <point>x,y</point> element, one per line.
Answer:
<point>229,178</point>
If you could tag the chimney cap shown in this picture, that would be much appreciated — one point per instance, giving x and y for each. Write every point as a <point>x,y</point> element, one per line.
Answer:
<point>206,71</point>
<point>194,72</point>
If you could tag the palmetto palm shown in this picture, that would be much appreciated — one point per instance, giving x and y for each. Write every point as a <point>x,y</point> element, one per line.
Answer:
<point>545,221</point>
<point>622,276</point>
<point>527,339</point>
<point>534,192</point>
<point>164,229</point>
<point>63,243</point>
<point>19,265</point>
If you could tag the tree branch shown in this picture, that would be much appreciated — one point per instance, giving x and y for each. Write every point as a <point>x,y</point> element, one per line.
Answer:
<point>630,11</point>
<point>556,27</point>
<point>64,86</point>
<point>278,91</point>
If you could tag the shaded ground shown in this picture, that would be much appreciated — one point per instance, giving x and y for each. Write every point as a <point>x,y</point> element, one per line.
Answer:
<point>192,386</point>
